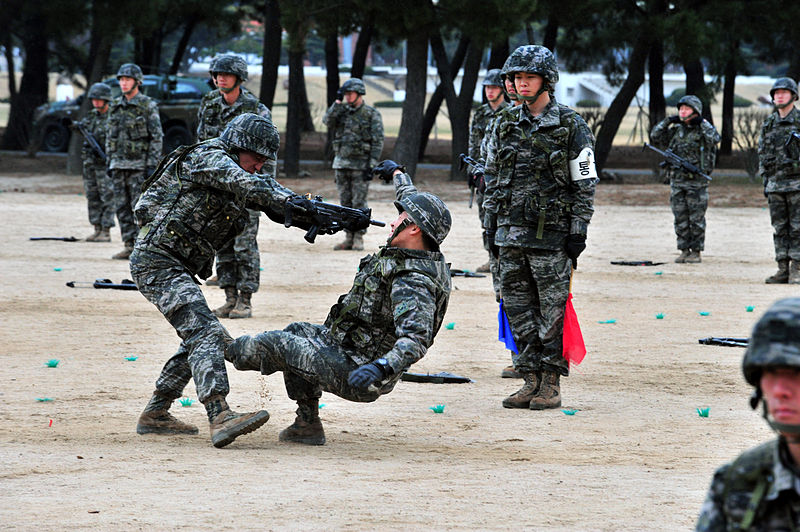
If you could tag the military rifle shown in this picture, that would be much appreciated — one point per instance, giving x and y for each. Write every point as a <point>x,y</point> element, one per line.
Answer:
<point>59,238</point>
<point>326,218</point>
<point>90,139</point>
<point>474,170</point>
<point>126,284</point>
<point>676,161</point>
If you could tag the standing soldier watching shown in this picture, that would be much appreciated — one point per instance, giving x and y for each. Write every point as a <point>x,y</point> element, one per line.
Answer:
<point>357,145</point>
<point>493,90</point>
<point>96,183</point>
<point>238,262</point>
<point>760,490</point>
<point>779,167</point>
<point>689,136</point>
<point>540,181</point>
<point>133,147</point>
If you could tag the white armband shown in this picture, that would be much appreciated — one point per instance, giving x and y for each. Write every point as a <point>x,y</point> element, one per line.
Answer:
<point>582,167</point>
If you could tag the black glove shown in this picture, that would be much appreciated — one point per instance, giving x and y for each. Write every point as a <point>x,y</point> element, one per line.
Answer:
<point>675,119</point>
<point>366,174</point>
<point>363,376</point>
<point>494,249</point>
<point>574,247</point>
<point>385,169</point>
<point>340,94</point>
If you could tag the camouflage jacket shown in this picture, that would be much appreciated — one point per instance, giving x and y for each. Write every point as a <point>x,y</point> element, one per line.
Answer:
<point>95,123</point>
<point>695,143</point>
<point>758,478</point>
<point>215,113</point>
<point>134,139</point>
<point>396,305</point>
<point>536,192</point>
<point>197,202</point>
<point>779,164</point>
<point>479,128</point>
<point>357,135</point>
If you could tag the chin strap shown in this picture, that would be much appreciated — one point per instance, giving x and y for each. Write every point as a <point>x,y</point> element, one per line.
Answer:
<point>397,230</point>
<point>791,433</point>
<point>785,105</point>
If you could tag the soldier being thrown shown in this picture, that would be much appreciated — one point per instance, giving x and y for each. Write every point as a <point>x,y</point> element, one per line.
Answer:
<point>385,323</point>
<point>195,202</point>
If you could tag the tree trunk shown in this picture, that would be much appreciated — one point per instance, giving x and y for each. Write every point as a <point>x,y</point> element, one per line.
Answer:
<point>295,112</point>
<point>696,84</point>
<point>9,53</point>
<point>459,116</point>
<point>272,52</point>
<point>332,84</point>
<point>616,112</point>
<point>551,33</point>
<point>498,55</point>
<point>529,33</point>
<point>362,48</point>
<point>406,149</point>
<point>188,29</point>
<point>728,96</point>
<point>655,67</point>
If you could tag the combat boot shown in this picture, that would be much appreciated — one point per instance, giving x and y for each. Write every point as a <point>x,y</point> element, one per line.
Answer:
<point>346,244</point>
<point>782,275</point>
<point>103,236</point>
<point>93,236</point>
<point>510,373</point>
<point>125,254</point>
<point>794,272</point>
<point>549,395</point>
<point>522,397</point>
<point>307,427</point>
<point>229,425</point>
<point>358,242</point>
<point>243,309</point>
<point>162,422</point>
<point>684,255</point>
<point>483,268</point>
<point>693,258</point>
<point>231,296</point>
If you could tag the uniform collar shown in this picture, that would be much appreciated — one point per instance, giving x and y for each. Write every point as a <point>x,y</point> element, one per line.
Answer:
<point>783,477</point>
<point>549,118</point>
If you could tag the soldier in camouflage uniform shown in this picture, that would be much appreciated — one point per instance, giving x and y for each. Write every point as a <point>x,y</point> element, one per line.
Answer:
<point>238,262</point>
<point>760,490</point>
<point>195,202</point>
<point>779,167</point>
<point>133,146</point>
<point>385,323</point>
<point>689,136</point>
<point>357,145</point>
<point>540,181</point>
<point>96,183</point>
<point>483,115</point>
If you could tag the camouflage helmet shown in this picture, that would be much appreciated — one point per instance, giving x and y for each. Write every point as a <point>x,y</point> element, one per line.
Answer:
<point>428,212</point>
<point>253,133</point>
<point>493,78</point>
<point>775,341</point>
<point>130,70</point>
<point>784,83</point>
<point>228,64</point>
<point>99,91</point>
<point>534,59</point>
<point>693,102</point>
<point>354,85</point>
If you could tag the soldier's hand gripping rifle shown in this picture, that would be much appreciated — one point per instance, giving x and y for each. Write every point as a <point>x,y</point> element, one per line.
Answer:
<point>325,218</point>
<point>90,139</point>
<point>474,170</point>
<point>677,162</point>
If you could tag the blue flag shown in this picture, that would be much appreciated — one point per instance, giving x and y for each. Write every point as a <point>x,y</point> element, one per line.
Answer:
<point>504,329</point>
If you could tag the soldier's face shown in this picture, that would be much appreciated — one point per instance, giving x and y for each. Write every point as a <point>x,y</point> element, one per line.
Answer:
<point>781,389</point>
<point>350,97</point>
<point>782,96</point>
<point>100,105</point>
<point>226,81</point>
<point>401,237</point>
<point>126,84</point>
<point>510,89</point>
<point>492,92</point>
<point>684,111</point>
<point>527,84</point>
<point>251,162</point>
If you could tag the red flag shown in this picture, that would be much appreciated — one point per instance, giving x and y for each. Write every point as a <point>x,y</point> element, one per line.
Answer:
<point>574,349</point>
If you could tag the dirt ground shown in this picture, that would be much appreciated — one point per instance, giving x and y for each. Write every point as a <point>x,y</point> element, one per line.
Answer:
<point>636,455</point>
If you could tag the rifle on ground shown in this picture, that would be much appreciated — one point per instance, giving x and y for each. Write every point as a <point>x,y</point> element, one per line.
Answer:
<point>635,263</point>
<point>126,284</point>
<point>59,238</point>
<point>727,342</point>
<point>90,139</point>
<point>442,377</point>
<point>676,161</point>
<point>474,170</point>
<point>326,218</point>
<point>464,273</point>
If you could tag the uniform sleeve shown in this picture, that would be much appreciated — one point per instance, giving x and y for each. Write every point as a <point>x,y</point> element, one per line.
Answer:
<point>762,155</point>
<point>712,139</point>
<point>414,305</point>
<point>376,143</point>
<point>583,176</point>
<point>201,124</point>
<point>156,136</point>
<point>332,115</point>
<point>712,514</point>
<point>264,111</point>
<point>491,143</point>
<point>661,135</point>
<point>475,137</point>
<point>403,186</point>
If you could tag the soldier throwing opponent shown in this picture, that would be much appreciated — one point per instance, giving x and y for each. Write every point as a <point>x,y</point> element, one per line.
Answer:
<point>385,323</point>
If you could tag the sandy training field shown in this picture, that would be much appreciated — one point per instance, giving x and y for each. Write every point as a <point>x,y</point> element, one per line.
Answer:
<point>635,456</point>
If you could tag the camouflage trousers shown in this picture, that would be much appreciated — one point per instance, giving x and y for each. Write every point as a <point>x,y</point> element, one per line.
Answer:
<point>535,284</point>
<point>311,362</point>
<point>352,189</point>
<point>239,263</point>
<point>784,212</point>
<point>99,194</point>
<point>172,289</point>
<point>689,208</point>
<point>127,188</point>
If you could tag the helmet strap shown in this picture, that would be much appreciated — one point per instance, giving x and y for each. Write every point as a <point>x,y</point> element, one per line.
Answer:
<point>790,432</point>
<point>399,229</point>
<point>784,105</point>
<point>499,97</point>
